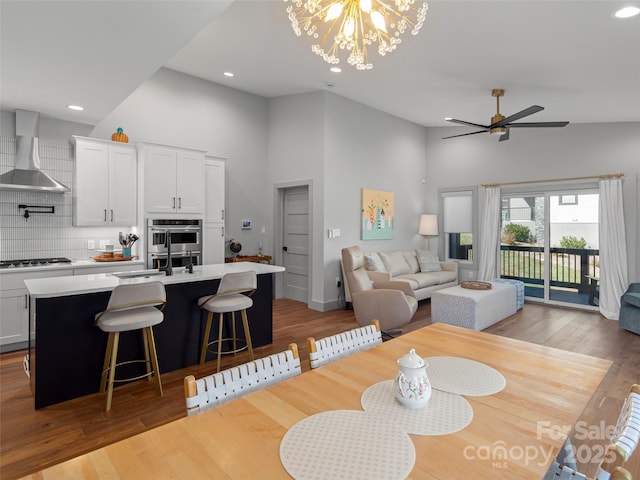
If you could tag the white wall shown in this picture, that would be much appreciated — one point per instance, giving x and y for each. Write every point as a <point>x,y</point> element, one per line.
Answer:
<point>366,148</point>
<point>177,109</point>
<point>296,157</point>
<point>345,146</point>
<point>541,154</point>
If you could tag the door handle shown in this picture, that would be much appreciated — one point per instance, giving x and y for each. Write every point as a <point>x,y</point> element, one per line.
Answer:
<point>105,214</point>
<point>223,214</point>
<point>284,249</point>
<point>112,215</point>
<point>174,202</point>
<point>179,202</point>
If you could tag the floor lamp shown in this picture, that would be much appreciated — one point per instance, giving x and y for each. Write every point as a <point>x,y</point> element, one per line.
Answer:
<point>429,227</point>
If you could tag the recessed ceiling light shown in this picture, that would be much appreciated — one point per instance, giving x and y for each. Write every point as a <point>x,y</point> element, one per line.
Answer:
<point>228,74</point>
<point>336,69</point>
<point>627,12</point>
<point>75,107</point>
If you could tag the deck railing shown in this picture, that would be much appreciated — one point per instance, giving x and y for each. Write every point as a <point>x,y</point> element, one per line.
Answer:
<point>570,267</point>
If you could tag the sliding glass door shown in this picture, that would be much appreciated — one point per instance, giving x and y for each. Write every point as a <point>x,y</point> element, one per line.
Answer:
<point>549,241</point>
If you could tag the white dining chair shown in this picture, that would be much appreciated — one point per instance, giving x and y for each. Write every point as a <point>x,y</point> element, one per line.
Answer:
<point>623,443</point>
<point>332,348</point>
<point>234,382</point>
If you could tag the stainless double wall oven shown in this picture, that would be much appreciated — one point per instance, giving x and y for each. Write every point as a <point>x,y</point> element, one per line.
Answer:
<point>186,242</point>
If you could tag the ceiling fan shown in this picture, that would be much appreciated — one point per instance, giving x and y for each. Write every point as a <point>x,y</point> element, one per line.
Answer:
<point>500,125</point>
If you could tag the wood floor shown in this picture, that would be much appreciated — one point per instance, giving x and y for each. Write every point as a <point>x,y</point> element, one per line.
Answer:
<point>31,440</point>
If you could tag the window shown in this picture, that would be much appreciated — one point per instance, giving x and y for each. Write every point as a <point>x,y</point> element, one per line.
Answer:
<point>568,200</point>
<point>458,211</point>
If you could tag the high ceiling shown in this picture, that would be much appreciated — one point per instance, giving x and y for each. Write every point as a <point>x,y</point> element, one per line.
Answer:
<point>571,57</point>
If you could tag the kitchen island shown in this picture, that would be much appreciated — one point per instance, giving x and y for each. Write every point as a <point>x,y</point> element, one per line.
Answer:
<point>66,351</point>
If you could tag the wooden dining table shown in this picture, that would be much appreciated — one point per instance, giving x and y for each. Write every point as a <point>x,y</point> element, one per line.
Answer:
<point>514,433</point>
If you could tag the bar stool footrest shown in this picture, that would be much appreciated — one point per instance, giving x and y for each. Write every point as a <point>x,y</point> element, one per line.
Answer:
<point>228,352</point>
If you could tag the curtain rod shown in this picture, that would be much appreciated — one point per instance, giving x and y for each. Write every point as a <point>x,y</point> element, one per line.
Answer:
<point>600,177</point>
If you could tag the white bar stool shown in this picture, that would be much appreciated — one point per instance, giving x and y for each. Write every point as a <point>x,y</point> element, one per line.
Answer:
<point>131,307</point>
<point>229,298</point>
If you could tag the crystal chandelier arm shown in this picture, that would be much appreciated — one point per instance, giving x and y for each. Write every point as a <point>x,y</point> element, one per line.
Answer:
<point>354,25</point>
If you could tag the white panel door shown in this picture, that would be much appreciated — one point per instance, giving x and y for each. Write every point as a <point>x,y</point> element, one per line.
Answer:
<point>296,243</point>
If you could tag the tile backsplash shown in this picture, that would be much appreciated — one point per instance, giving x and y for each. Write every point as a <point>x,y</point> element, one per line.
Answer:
<point>44,234</point>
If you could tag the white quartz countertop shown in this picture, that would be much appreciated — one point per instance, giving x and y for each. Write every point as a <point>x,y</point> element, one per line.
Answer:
<point>75,264</point>
<point>82,284</point>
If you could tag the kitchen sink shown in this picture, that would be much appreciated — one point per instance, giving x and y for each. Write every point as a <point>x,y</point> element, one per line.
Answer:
<point>138,273</point>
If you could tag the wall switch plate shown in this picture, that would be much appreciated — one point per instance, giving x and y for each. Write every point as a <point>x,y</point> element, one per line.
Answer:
<point>91,244</point>
<point>470,274</point>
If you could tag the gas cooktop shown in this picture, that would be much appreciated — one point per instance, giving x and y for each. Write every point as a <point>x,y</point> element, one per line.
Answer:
<point>33,262</point>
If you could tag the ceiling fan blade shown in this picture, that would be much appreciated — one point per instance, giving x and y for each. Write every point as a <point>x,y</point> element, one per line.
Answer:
<point>539,124</point>
<point>465,134</point>
<point>517,116</point>
<point>504,136</point>
<point>462,122</point>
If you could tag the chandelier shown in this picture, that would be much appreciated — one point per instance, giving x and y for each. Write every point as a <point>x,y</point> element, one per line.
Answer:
<point>355,25</point>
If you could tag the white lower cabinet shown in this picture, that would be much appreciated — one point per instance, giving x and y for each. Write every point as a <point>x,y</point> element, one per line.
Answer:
<point>14,307</point>
<point>14,318</point>
<point>14,299</point>
<point>213,244</point>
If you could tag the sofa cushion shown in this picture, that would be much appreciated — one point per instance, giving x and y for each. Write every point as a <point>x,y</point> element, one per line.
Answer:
<point>412,260</point>
<point>444,276</point>
<point>373,263</point>
<point>395,263</point>
<point>632,298</point>
<point>428,261</point>
<point>419,280</point>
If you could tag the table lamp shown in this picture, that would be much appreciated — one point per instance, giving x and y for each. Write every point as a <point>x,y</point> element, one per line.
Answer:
<point>429,227</point>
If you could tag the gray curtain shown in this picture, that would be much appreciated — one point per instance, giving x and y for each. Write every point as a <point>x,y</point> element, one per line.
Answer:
<point>490,237</point>
<point>613,248</point>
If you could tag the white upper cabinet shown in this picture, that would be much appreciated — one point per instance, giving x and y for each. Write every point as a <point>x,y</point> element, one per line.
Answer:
<point>104,190</point>
<point>214,192</point>
<point>173,179</point>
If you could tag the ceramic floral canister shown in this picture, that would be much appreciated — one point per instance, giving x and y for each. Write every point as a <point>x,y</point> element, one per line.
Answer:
<point>412,387</point>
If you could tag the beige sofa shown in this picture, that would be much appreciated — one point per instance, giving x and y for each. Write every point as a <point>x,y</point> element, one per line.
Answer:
<point>404,266</point>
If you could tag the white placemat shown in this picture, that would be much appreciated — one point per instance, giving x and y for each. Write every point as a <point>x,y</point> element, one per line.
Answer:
<point>346,444</point>
<point>464,376</point>
<point>445,413</point>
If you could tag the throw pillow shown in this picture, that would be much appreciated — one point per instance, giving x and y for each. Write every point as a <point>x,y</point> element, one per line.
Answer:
<point>373,263</point>
<point>412,260</point>
<point>428,261</point>
<point>394,263</point>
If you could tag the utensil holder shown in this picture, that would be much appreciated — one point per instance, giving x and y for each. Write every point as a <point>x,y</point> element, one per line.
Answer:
<point>126,252</point>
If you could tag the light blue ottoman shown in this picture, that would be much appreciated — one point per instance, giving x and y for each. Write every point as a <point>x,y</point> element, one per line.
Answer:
<point>519,289</point>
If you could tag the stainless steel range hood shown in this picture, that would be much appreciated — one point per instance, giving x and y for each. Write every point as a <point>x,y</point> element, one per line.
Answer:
<point>27,174</point>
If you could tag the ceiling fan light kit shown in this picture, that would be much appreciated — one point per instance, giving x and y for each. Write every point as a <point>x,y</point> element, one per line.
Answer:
<point>500,125</point>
